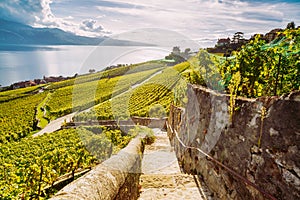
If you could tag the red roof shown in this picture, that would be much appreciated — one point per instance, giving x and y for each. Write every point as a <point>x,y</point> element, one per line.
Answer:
<point>223,40</point>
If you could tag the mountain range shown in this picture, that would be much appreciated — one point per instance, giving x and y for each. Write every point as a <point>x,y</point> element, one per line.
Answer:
<point>17,34</point>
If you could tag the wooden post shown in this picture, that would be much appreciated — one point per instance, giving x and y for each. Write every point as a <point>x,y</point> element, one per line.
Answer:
<point>40,181</point>
<point>277,75</point>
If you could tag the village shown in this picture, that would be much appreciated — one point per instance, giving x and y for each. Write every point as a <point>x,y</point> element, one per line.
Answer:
<point>225,46</point>
<point>35,82</point>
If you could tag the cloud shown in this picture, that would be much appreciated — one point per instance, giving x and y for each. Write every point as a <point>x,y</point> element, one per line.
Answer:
<point>28,12</point>
<point>263,16</point>
<point>115,4</point>
<point>38,13</point>
<point>210,19</point>
<point>90,25</point>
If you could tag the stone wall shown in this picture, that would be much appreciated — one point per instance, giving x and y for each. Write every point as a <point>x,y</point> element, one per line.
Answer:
<point>259,141</point>
<point>150,122</point>
<point>115,178</point>
<point>143,121</point>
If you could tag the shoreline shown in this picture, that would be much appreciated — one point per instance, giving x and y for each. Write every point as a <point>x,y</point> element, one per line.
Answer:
<point>59,78</point>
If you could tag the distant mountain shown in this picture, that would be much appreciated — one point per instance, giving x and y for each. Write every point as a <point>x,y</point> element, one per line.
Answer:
<point>17,33</point>
<point>14,34</point>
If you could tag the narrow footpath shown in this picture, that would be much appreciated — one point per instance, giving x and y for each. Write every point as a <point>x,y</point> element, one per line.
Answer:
<point>55,125</point>
<point>161,176</point>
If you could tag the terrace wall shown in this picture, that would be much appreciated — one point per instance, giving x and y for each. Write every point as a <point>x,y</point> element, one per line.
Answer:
<point>261,143</point>
<point>115,178</point>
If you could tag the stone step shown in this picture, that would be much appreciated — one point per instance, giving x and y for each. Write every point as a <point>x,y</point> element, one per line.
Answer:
<point>168,181</point>
<point>169,187</point>
<point>171,194</point>
<point>162,178</point>
<point>160,147</point>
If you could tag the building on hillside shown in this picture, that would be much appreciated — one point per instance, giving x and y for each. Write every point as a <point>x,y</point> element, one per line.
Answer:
<point>39,81</point>
<point>52,79</point>
<point>269,37</point>
<point>23,84</point>
<point>223,42</point>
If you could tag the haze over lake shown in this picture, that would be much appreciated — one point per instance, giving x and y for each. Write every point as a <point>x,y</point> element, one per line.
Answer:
<point>32,62</point>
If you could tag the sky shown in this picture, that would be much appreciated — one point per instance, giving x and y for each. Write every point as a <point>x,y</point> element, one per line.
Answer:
<point>203,21</point>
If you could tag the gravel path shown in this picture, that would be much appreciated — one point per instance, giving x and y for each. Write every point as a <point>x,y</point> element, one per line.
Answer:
<point>162,178</point>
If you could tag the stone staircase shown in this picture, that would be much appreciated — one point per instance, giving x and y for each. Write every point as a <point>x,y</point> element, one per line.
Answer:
<point>161,176</point>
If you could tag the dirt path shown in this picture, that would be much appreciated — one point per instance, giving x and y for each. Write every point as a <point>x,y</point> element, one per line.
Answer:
<point>136,85</point>
<point>162,178</point>
<point>55,125</point>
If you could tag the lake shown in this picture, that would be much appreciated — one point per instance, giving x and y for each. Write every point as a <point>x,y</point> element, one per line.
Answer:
<point>18,63</point>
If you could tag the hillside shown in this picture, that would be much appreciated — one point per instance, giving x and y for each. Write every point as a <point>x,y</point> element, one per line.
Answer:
<point>19,117</point>
<point>140,90</point>
<point>17,33</point>
<point>259,68</point>
<point>13,35</point>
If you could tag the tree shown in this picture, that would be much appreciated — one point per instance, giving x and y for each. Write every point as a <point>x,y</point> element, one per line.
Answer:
<point>176,50</point>
<point>176,55</point>
<point>92,70</point>
<point>186,53</point>
<point>291,25</point>
<point>238,37</point>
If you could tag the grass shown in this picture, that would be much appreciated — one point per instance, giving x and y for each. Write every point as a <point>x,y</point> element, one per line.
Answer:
<point>42,121</point>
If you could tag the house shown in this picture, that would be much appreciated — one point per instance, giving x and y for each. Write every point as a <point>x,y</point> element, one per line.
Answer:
<point>223,42</point>
<point>52,79</point>
<point>269,37</point>
<point>23,84</point>
<point>39,81</point>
